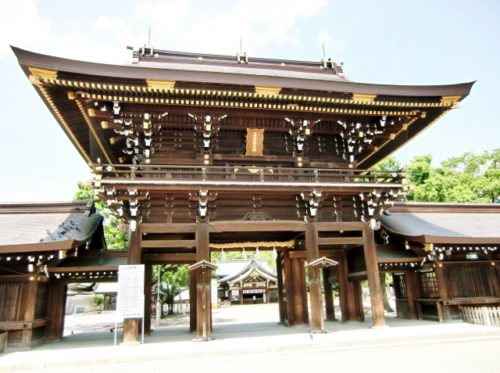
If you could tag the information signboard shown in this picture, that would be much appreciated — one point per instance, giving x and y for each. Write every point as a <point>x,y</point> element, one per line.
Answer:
<point>130,302</point>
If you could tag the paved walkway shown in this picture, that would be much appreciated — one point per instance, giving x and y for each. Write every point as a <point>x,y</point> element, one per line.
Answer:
<point>235,332</point>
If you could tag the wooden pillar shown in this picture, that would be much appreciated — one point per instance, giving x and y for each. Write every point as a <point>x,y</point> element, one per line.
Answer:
<point>327,286</point>
<point>315,296</point>
<point>192,301</point>
<point>372,273</point>
<point>287,272</point>
<point>28,309</point>
<point>359,312</point>
<point>412,293</point>
<point>56,310</point>
<point>131,327</point>
<point>297,293</point>
<point>443,291</point>
<point>495,279</point>
<point>148,271</point>
<point>203,293</point>
<point>346,292</point>
<point>281,295</point>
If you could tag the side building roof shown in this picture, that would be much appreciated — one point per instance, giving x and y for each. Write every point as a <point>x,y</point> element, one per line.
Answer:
<point>41,227</point>
<point>444,223</point>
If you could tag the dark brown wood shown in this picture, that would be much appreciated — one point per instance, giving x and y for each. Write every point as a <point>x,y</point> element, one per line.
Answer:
<point>296,293</point>
<point>412,293</point>
<point>170,258</point>
<point>56,309</point>
<point>203,293</point>
<point>148,294</point>
<point>372,272</point>
<point>358,300</point>
<point>131,327</point>
<point>315,297</point>
<point>327,286</point>
<point>166,244</point>
<point>27,309</point>
<point>281,287</point>
<point>344,290</point>
<point>168,228</point>
<point>252,226</point>
<point>192,301</point>
<point>340,241</point>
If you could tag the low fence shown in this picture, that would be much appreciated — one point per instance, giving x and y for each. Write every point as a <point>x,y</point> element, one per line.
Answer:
<point>481,315</point>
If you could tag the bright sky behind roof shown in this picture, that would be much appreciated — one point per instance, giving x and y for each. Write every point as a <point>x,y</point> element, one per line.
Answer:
<point>385,41</point>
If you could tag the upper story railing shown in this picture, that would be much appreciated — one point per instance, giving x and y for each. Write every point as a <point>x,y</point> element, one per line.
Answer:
<point>246,174</point>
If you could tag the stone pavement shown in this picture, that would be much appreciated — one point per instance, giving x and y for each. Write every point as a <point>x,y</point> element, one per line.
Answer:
<point>235,336</point>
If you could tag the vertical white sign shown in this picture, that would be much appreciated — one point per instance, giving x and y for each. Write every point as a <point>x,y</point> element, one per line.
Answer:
<point>130,302</point>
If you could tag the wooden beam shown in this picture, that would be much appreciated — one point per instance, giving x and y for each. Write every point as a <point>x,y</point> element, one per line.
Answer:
<point>170,258</point>
<point>340,241</point>
<point>168,227</point>
<point>340,226</point>
<point>95,268</point>
<point>301,254</point>
<point>357,275</point>
<point>257,226</point>
<point>167,244</point>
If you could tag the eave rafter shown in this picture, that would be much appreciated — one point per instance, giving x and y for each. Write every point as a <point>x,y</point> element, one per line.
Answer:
<point>154,93</point>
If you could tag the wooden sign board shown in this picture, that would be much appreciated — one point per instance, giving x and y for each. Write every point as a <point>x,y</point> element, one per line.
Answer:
<point>130,302</point>
<point>255,142</point>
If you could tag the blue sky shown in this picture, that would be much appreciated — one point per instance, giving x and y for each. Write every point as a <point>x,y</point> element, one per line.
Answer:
<point>384,41</point>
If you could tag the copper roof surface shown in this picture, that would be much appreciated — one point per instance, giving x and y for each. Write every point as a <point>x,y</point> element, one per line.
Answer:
<point>444,223</point>
<point>32,223</point>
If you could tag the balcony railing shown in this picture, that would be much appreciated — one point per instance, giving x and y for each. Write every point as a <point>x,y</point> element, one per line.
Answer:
<point>245,174</point>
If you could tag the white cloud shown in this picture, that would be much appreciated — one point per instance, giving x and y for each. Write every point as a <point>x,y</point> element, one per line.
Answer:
<point>21,25</point>
<point>217,27</point>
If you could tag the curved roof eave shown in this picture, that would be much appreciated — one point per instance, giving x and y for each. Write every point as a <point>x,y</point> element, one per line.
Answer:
<point>175,72</point>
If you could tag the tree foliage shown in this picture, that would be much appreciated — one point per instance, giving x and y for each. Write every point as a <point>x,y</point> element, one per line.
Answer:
<point>173,281</point>
<point>467,178</point>
<point>114,230</point>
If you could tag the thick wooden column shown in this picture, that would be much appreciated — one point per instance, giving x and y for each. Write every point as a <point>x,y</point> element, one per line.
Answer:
<point>131,327</point>
<point>148,272</point>
<point>372,272</point>
<point>495,279</point>
<point>203,293</point>
<point>192,301</point>
<point>56,310</point>
<point>359,311</point>
<point>281,295</point>
<point>412,293</point>
<point>327,286</point>
<point>443,290</point>
<point>315,296</point>
<point>28,309</point>
<point>298,295</point>
<point>346,292</point>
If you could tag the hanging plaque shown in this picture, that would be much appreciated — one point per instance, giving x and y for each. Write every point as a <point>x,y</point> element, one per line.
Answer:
<point>255,142</point>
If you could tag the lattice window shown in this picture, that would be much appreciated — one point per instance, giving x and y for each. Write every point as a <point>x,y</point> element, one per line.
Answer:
<point>428,285</point>
<point>400,286</point>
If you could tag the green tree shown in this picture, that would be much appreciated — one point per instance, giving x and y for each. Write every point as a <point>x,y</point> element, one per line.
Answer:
<point>173,281</point>
<point>467,178</point>
<point>114,230</point>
